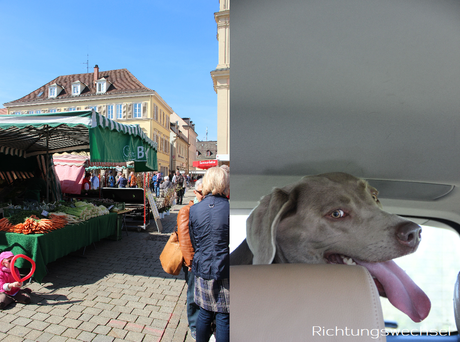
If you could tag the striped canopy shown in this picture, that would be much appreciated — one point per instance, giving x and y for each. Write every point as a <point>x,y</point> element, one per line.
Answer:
<point>34,134</point>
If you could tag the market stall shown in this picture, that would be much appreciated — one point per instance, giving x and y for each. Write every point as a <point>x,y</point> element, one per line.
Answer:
<point>45,248</point>
<point>27,137</point>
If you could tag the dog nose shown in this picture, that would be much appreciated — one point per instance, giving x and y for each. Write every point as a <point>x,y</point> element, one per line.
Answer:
<point>409,234</point>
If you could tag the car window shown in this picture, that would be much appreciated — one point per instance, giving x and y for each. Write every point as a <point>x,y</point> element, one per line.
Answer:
<point>434,268</point>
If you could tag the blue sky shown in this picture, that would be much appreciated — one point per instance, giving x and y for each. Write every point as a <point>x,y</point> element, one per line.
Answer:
<point>170,46</point>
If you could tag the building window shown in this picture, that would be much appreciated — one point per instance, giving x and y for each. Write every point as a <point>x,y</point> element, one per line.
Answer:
<point>72,109</point>
<point>155,112</point>
<point>119,111</point>
<point>75,89</point>
<point>38,112</point>
<point>53,110</point>
<point>137,110</point>
<point>101,86</point>
<point>110,111</point>
<point>52,91</point>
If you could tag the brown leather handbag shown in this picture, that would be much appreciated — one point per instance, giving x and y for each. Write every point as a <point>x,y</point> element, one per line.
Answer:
<point>171,257</point>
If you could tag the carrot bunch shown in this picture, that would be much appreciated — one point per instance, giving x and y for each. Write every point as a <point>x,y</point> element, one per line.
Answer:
<point>34,225</point>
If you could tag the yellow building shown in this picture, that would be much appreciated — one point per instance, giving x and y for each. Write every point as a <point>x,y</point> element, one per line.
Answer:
<point>116,94</point>
<point>221,81</point>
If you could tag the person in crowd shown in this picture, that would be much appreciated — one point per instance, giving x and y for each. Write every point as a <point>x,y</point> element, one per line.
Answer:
<point>86,185</point>
<point>158,181</point>
<point>122,181</point>
<point>94,181</point>
<point>187,251</point>
<point>10,289</point>
<point>152,183</point>
<point>178,181</point>
<point>111,180</point>
<point>209,233</point>
<point>132,180</point>
<point>166,184</point>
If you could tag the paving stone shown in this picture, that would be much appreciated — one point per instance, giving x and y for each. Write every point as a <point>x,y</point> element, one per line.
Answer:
<point>71,332</point>
<point>118,333</point>
<point>86,336</point>
<point>38,325</point>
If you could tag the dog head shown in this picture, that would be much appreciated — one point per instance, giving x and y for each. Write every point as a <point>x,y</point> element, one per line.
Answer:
<point>335,218</point>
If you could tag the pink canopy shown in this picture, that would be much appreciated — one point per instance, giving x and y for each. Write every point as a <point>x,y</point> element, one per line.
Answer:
<point>70,169</point>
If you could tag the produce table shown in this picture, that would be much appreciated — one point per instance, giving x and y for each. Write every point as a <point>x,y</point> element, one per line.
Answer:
<point>45,248</point>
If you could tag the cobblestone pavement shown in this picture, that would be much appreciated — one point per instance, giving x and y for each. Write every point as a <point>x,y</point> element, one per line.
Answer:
<point>115,291</point>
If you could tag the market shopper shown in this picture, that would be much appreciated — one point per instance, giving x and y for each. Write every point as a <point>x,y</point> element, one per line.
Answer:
<point>179,183</point>
<point>132,180</point>
<point>187,251</point>
<point>86,185</point>
<point>111,180</point>
<point>10,289</point>
<point>209,233</point>
<point>94,182</point>
<point>122,181</point>
<point>158,181</point>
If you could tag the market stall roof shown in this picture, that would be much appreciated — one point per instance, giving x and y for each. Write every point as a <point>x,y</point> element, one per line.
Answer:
<point>27,133</point>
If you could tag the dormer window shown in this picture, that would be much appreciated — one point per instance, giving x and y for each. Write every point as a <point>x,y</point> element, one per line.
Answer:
<point>54,90</point>
<point>101,86</point>
<point>76,88</point>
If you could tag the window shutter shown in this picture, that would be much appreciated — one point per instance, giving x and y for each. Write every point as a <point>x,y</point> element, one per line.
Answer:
<point>123,115</point>
<point>144,110</point>
<point>129,111</point>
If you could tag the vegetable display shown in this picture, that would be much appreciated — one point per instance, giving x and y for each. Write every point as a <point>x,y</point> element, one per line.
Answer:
<point>28,222</point>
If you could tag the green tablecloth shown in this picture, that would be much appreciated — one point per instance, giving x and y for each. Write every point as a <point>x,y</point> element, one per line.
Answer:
<point>45,248</point>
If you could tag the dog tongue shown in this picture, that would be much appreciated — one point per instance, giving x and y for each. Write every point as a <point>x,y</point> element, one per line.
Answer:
<point>400,289</point>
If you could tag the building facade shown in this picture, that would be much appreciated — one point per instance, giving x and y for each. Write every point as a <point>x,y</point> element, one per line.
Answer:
<point>187,127</point>
<point>179,149</point>
<point>116,94</point>
<point>221,82</point>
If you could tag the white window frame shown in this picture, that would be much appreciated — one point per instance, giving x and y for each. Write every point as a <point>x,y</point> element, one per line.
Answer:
<point>101,87</point>
<point>76,89</point>
<point>53,110</point>
<point>119,111</point>
<point>137,110</point>
<point>52,91</point>
<point>110,111</point>
<point>93,107</point>
<point>72,109</point>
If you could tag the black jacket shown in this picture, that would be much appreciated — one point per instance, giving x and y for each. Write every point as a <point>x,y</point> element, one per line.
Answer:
<point>209,233</point>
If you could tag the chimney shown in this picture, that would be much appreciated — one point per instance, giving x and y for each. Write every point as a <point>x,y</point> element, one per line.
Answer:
<point>96,73</point>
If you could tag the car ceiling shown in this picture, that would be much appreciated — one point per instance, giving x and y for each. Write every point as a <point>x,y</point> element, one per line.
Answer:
<point>367,87</point>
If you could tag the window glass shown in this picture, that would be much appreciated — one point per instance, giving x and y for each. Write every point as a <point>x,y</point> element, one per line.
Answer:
<point>119,111</point>
<point>137,112</point>
<point>110,111</point>
<point>434,268</point>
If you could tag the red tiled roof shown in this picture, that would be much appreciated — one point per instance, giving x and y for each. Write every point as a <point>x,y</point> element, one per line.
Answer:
<point>121,81</point>
<point>3,111</point>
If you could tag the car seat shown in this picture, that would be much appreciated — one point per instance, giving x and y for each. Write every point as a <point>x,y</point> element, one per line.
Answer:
<point>302,302</point>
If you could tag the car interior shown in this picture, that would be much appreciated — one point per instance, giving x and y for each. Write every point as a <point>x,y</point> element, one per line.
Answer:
<point>369,88</point>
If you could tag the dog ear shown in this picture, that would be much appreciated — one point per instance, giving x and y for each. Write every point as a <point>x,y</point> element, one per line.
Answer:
<point>262,224</point>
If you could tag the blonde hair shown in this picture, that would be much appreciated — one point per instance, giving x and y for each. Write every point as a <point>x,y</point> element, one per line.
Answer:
<point>215,181</point>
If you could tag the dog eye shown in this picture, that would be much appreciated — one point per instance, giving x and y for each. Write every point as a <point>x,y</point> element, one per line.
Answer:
<point>374,196</point>
<point>338,214</point>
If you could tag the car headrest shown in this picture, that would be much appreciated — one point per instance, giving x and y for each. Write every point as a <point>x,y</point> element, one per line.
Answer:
<point>301,302</point>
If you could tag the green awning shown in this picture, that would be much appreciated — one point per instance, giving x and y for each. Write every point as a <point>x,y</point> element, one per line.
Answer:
<point>105,139</point>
